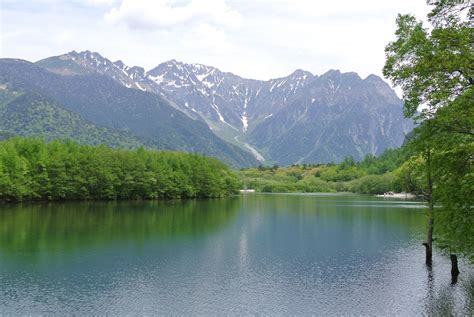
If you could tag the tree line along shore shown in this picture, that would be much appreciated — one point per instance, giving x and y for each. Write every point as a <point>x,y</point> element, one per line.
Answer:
<point>389,172</point>
<point>34,170</point>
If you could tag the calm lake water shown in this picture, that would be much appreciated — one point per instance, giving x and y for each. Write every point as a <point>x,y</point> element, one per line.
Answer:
<point>257,253</point>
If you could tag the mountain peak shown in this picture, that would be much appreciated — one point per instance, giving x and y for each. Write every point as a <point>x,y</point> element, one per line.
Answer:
<point>137,69</point>
<point>173,62</point>
<point>332,72</point>
<point>119,63</point>
<point>381,86</point>
<point>301,73</point>
<point>374,79</point>
<point>336,74</point>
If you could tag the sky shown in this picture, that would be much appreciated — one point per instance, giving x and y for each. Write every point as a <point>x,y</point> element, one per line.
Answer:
<point>258,39</point>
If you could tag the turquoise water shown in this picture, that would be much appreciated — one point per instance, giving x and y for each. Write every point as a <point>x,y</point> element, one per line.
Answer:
<point>253,254</point>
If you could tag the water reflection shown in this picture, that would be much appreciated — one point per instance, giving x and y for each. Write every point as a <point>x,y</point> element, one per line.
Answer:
<point>449,299</point>
<point>35,229</point>
<point>267,254</point>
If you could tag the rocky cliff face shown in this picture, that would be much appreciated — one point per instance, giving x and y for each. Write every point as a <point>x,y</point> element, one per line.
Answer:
<point>300,118</point>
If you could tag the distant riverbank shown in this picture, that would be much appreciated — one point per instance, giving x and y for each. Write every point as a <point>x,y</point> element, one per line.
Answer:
<point>397,195</point>
<point>372,175</point>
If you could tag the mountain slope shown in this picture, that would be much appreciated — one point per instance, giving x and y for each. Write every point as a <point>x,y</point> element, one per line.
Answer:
<point>29,114</point>
<point>335,116</point>
<point>106,103</point>
<point>299,118</point>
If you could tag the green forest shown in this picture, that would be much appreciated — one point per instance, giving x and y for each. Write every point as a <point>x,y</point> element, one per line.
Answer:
<point>34,170</point>
<point>373,175</point>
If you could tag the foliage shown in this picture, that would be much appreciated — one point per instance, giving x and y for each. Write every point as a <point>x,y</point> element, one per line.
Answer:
<point>28,114</point>
<point>31,169</point>
<point>411,175</point>
<point>379,184</point>
<point>455,193</point>
<point>372,175</point>
<point>434,68</point>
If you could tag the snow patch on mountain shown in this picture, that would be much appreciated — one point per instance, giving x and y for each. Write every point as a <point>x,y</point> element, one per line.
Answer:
<point>254,152</point>
<point>245,122</point>
<point>216,108</point>
<point>157,79</point>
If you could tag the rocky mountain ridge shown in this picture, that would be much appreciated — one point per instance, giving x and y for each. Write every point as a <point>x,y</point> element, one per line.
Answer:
<point>294,119</point>
<point>93,108</point>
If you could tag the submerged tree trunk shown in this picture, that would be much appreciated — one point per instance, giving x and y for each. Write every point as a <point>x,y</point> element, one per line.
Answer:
<point>429,241</point>
<point>454,268</point>
<point>429,197</point>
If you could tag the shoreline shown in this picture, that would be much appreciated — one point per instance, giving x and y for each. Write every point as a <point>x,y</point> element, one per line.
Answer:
<point>397,195</point>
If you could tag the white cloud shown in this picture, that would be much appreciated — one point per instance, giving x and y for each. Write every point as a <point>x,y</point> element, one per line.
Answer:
<point>253,38</point>
<point>153,14</point>
<point>344,9</point>
<point>64,36</point>
<point>100,2</point>
<point>206,37</point>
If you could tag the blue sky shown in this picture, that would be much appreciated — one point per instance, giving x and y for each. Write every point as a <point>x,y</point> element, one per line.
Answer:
<point>253,38</point>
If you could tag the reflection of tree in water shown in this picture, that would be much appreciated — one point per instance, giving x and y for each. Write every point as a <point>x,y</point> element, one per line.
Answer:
<point>51,228</point>
<point>449,299</point>
<point>389,213</point>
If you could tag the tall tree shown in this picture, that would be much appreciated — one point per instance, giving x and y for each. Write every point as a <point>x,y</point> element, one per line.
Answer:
<point>435,69</point>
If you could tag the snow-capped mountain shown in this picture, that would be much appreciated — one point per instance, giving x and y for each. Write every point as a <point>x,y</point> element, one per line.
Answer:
<point>225,100</point>
<point>294,119</point>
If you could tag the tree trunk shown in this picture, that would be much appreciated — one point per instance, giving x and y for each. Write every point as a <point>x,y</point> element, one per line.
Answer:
<point>429,196</point>
<point>454,268</point>
<point>429,241</point>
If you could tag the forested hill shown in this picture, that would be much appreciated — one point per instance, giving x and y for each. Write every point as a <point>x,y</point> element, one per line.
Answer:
<point>31,169</point>
<point>94,103</point>
<point>29,114</point>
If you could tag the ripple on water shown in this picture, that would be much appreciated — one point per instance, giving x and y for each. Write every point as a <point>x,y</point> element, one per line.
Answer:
<point>272,256</point>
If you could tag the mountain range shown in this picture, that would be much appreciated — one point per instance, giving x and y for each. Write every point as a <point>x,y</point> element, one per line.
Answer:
<point>301,118</point>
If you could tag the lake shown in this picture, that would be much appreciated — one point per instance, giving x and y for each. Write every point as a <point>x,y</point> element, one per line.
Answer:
<point>253,254</point>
